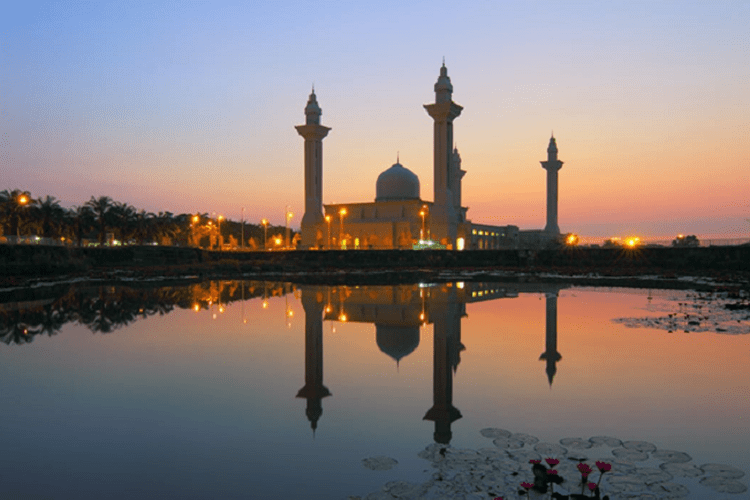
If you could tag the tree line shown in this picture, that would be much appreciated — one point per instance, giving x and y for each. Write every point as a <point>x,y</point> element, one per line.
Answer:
<point>104,220</point>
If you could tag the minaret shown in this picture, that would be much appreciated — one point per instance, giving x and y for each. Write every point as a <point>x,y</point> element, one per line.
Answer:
<point>456,175</point>
<point>552,165</point>
<point>314,133</point>
<point>550,354</point>
<point>443,111</point>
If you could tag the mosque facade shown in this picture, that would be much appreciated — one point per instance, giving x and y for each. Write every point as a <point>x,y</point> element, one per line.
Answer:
<point>399,218</point>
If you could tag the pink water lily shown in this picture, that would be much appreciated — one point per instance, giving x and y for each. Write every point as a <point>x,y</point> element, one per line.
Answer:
<point>603,466</point>
<point>584,469</point>
<point>552,461</point>
<point>533,461</point>
<point>528,486</point>
<point>551,471</point>
<point>592,486</point>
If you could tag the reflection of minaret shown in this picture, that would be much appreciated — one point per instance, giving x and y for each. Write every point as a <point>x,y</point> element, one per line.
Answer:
<point>552,165</point>
<point>443,111</point>
<point>314,133</point>
<point>446,320</point>
<point>314,390</point>
<point>550,354</point>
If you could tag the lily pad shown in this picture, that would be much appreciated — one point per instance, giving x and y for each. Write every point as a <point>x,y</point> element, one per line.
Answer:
<point>524,456</point>
<point>681,469</point>
<point>723,484</point>
<point>649,475</point>
<point>672,490</point>
<point>550,450</point>
<point>379,463</point>
<point>621,466</point>
<point>605,441</point>
<point>669,456</point>
<point>494,433</point>
<point>576,443</point>
<point>630,455</point>
<point>508,443</point>
<point>721,470</point>
<point>625,484</point>
<point>643,446</point>
<point>526,438</point>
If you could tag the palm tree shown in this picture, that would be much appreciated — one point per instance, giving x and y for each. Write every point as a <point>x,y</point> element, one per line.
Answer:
<point>83,221</point>
<point>50,213</point>
<point>12,207</point>
<point>101,207</point>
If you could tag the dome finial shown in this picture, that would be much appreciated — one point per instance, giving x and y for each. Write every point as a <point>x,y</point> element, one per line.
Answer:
<point>397,157</point>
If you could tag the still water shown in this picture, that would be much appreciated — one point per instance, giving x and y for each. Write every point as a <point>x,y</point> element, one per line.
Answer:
<point>271,390</point>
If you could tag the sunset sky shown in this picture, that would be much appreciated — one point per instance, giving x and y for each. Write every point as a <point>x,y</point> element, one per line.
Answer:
<point>191,106</point>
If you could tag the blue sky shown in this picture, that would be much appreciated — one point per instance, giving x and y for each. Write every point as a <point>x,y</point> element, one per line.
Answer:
<point>190,106</point>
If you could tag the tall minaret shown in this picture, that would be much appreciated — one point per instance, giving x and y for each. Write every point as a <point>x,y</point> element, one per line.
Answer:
<point>552,165</point>
<point>443,111</point>
<point>314,133</point>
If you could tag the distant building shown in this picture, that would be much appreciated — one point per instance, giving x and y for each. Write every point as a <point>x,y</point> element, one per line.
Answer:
<point>399,217</point>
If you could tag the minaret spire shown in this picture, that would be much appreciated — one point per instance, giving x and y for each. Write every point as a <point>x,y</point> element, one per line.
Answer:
<point>552,165</point>
<point>314,133</point>
<point>443,111</point>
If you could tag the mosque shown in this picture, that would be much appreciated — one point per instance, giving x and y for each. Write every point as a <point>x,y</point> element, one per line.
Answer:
<point>399,218</point>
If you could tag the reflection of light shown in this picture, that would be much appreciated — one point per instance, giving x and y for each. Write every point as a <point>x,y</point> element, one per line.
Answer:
<point>214,316</point>
<point>289,313</point>
<point>460,285</point>
<point>244,321</point>
<point>196,308</point>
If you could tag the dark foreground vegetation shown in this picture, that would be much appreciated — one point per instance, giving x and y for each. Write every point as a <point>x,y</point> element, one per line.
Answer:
<point>24,264</point>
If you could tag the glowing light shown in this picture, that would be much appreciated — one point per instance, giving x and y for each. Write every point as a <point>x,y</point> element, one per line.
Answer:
<point>196,307</point>
<point>265,304</point>
<point>342,317</point>
<point>196,219</point>
<point>23,199</point>
<point>221,309</point>
<point>572,240</point>
<point>460,243</point>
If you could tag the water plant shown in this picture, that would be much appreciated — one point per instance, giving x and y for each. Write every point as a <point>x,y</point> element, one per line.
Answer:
<point>545,477</point>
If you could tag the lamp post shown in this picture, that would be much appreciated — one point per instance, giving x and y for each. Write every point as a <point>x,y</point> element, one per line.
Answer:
<point>265,233</point>
<point>421,233</point>
<point>288,215</point>
<point>342,213</point>
<point>242,244</point>
<point>195,219</point>
<point>219,239</point>
<point>23,200</point>
<point>328,220</point>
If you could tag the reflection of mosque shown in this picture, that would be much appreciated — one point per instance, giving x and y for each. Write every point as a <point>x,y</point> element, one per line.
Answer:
<point>398,312</point>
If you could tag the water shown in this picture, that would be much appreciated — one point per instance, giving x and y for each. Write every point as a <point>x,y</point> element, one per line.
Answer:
<point>195,392</point>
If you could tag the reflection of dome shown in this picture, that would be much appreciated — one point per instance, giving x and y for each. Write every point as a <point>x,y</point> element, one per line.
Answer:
<point>397,183</point>
<point>397,341</point>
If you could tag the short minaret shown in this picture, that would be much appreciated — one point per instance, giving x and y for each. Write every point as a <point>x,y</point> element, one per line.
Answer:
<point>552,165</point>
<point>456,175</point>
<point>314,133</point>
<point>443,111</point>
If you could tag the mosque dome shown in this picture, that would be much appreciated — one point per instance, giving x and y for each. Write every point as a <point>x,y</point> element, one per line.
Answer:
<point>397,183</point>
<point>397,341</point>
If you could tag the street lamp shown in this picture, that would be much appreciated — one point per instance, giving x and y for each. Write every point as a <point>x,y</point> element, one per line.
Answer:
<point>421,233</point>
<point>328,220</point>
<point>287,216</point>
<point>342,213</point>
<point>23,200</point>
<point>220,240</point>
<point>242,244</point>
<point>195,220</point>
<point>265,233</point>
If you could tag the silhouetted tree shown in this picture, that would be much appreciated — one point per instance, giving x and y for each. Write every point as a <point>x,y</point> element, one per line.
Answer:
<point>101,206</point>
